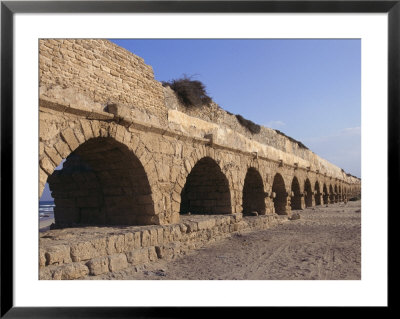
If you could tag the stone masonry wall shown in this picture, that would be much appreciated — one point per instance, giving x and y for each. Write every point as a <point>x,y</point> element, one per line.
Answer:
<point>84,253</point>
<point>215,114</point>
<point>97,73</point>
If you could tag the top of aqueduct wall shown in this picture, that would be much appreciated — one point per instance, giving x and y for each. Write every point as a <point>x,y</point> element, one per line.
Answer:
<point>98,75</point>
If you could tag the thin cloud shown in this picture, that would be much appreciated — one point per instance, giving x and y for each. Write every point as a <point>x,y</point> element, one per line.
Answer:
<point>351,130</point>
<point>275,124</point>
<point>342,148</point>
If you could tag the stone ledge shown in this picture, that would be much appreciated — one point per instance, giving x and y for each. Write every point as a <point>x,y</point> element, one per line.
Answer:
<point>89,113</point>
<point>77,253</point>
<point>180,126</point>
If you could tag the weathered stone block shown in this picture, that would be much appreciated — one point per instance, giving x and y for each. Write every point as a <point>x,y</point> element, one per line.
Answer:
<point>183,228</point>
<point>138,239</point>
<point>164,252</point>
<point>83,251</point>
<point>224,228</point>
<point>138,256</point>
<point>117,262</point>
<point>98,266</point>
<point>160,235</point>
<point>69,137</point>
<point>87,130</point>
<point>79,136</point>
<point>47,165</point>
<point>46,273</point>
<point>95,128</point>
<point>240,226</point>
<point>153,237</point>
<point>71,272</point>
<point>145,238</point>
<point>62,149</point>
<point>174,217</point>
<point>119,110</point>
<point>167,234</point>
<point>206,224</point>
<point>57,255</point>
<point>53,155</point>
<point>152,254</point>
<point>191,227</point>
<point>175,232</point>
<point>42,258</point>
<point>115,244</point>
<point>129,242</point>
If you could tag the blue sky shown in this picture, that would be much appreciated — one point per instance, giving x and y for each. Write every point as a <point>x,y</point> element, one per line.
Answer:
<point>308,89</point>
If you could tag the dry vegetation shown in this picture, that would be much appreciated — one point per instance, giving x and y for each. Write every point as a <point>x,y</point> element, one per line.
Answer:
<point>191,93</point>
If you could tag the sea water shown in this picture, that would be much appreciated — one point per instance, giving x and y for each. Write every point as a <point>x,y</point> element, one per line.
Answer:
<point>46,210</point>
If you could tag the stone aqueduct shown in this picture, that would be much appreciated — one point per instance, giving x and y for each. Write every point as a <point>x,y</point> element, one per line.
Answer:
<point>135,156</point>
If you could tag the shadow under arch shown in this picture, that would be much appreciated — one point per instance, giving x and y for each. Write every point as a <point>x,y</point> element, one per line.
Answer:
<point>317,193</point>
<point>280,200</point>
<point>331,195</point>
<point>102,182</point>
<point>336,195</point>
<point>325,196</point>
<point>296,198</point>
<point>253,192</point>
<point>206,190</point>
<point>308,193</point>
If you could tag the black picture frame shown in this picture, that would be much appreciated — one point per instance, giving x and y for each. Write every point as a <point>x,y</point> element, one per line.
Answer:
<point>9,8</point>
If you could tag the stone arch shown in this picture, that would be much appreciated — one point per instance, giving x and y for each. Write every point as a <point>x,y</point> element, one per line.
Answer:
<point>188,163</point>
<point>206,190</point>
<point>317,193</point>
<point>296,194</point>
<point>253,192</point>
<point>325,196</point>
<point>280,200</point>
<point>61,145</point>
<point>308,193</point>
<point>102,182</point>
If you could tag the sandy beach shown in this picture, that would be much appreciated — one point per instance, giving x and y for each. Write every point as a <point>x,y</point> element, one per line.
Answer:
<point>324,244</point>
<point>44,225</point>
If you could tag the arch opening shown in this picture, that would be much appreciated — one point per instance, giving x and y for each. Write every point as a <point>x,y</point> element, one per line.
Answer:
<point>253,193</point>
<point>331,195</point>
<point>206,190</point>
<point>325,196</point>
<point>280,200</point>
<point>317,194</point>
<point>296,194</point>
<point>308,198</point>
<point>336,194</point>
<point>101,183</point>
